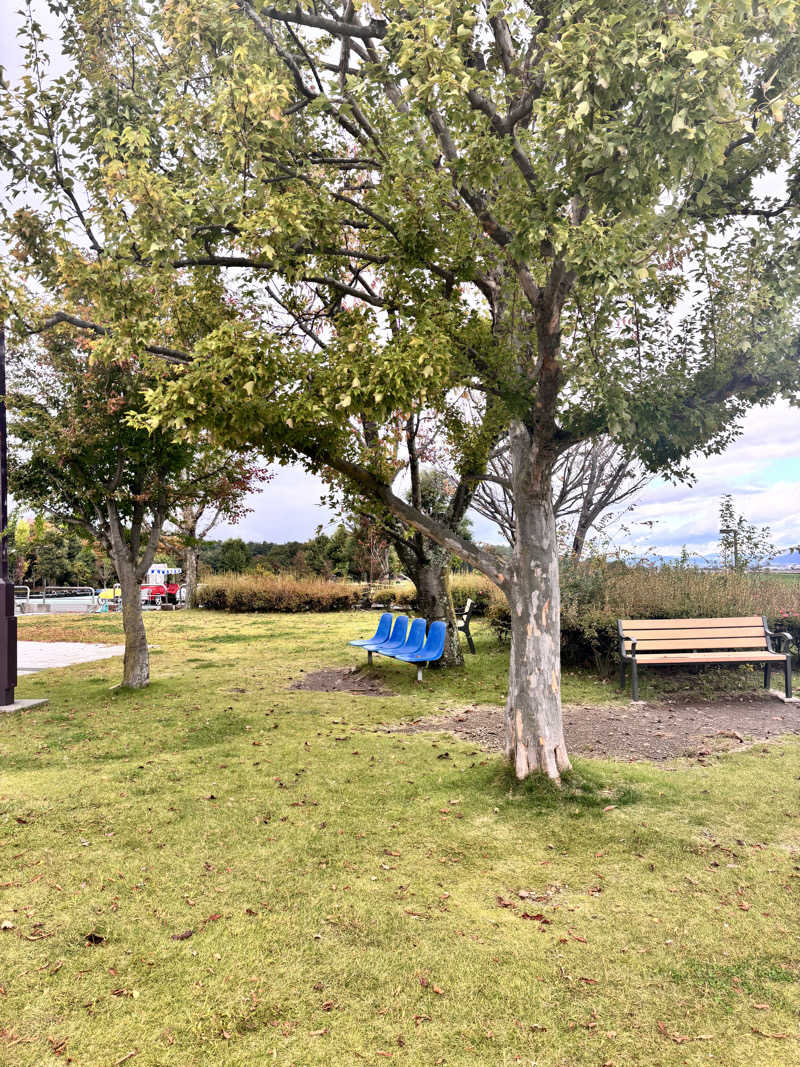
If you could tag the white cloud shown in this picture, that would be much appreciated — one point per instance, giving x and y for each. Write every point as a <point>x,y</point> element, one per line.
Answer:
<point>287,509</point>
<point>762,471</point>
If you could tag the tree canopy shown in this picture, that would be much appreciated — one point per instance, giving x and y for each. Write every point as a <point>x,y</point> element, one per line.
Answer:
<point>541,222</point>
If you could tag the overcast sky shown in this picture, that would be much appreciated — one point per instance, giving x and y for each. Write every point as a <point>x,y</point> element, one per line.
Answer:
<point>761,469</point>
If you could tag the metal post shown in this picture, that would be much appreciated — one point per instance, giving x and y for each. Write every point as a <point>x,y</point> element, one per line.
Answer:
<point>8,622</point>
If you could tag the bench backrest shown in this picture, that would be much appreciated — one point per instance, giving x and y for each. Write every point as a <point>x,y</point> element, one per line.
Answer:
<point>684,635</point>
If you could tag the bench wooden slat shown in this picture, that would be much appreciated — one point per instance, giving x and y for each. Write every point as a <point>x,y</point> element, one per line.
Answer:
<point>654,658</point>
<point>713,631</point>
<point>692,643</point>
<point>690,624</point>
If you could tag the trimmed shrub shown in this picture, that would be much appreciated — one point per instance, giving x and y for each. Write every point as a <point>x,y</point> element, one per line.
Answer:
<point>462,587</point>
<point>276,592</point>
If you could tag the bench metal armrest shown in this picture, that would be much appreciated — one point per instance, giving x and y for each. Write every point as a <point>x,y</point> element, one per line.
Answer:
<point>623,655</point>
<point>783,637</point>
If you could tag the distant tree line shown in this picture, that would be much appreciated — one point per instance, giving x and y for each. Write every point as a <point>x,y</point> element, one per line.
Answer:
<point>41,553</point>
<point>361,554</point>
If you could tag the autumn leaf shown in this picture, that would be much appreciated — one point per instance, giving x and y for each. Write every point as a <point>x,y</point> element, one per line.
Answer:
<point>182,937</point>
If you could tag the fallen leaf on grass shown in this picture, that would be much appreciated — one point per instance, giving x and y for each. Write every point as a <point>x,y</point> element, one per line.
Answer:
<point>590,981</point>
<point>182,937</point>
<point>677,1038</point>
<point>538,917</point>
<point>386,1055</point>
<point>763,1033</point>
<point>503,903</point>
<point>609,807</point>
<point>761,1007</point>
<point>94,938</point>
<point>318,1033</point>
<point>438,991</point>
<point>59,1045</point>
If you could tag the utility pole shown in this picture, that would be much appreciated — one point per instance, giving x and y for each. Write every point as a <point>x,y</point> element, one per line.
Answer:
<point>8,622</point>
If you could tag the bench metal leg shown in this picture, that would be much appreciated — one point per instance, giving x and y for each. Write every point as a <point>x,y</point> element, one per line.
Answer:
<point>767,675</point>
<point>470,642</point>
<point>419,672</point>
<point>622,674</point>
<point>635,680</point>
<point>369,658</point>
<point>788,675</point>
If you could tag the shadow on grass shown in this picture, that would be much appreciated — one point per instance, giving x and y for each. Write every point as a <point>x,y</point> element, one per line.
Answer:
<point>583,791</point>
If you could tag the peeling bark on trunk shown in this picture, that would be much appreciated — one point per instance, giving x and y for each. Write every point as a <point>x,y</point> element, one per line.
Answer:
<point>534,730</point>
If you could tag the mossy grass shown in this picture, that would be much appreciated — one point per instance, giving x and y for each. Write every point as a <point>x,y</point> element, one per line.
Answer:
<point>359,896</point>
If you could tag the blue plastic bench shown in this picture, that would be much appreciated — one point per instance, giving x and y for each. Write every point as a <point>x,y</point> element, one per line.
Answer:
<point>384,627</point>
<point>404,642</point>
<point>430,651</point>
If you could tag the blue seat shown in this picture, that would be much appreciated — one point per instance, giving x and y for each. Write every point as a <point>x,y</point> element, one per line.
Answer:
<point>384,627</point>
<point>414,641</point>
<point>395,641</point>
<point>430,651</point>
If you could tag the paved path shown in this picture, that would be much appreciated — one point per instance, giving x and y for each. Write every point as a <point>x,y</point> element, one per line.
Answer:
<point>35,656</point>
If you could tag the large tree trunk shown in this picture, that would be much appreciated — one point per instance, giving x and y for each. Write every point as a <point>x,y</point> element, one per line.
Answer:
<point>428,566</point>
<point>190,559</point>
<point>136,670</point>
<point>534,730</point>
<point>432,579</point>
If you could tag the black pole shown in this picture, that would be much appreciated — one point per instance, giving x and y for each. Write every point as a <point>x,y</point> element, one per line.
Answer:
<point>8,622</point>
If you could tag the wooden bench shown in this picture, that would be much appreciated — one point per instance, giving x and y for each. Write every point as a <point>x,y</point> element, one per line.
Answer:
<point>677,642</point>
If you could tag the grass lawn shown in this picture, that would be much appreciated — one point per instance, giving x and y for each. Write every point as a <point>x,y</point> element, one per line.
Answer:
<point>221,870</point>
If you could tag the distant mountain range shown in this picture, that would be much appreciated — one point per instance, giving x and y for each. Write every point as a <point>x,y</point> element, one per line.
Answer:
<point>784,560</point>
<point>787,559</point>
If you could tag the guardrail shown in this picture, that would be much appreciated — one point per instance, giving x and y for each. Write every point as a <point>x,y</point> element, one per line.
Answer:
<point>60,592</point>
<point>71,590</point>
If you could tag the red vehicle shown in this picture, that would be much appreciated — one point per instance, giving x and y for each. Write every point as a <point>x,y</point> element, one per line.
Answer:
<point>160,586</point>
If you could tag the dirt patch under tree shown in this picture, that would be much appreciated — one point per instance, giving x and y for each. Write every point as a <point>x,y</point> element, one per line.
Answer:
<point>342,680</point>
<point>683,725</point>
